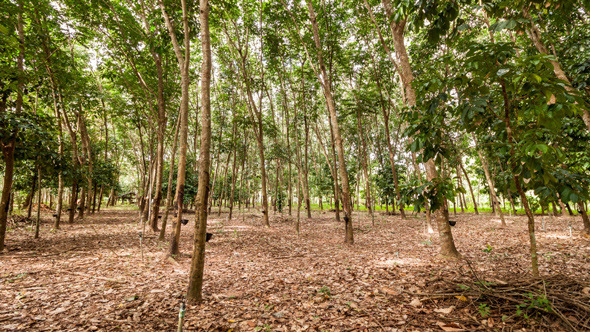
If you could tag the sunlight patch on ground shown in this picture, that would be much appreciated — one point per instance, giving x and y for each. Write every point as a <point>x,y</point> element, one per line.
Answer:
<point>238,227</point>
<point>557,236</point>
<point>393,262</point>
<point>499,221</point>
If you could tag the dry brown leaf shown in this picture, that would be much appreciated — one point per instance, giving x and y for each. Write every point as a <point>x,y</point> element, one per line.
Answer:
<point>445,310</point>
<point>449,327</point>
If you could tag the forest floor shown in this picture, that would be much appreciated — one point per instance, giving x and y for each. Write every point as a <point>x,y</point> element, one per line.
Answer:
<point>90,275</point>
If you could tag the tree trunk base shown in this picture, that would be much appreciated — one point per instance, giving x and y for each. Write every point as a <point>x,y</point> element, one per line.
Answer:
<point>452,256</point>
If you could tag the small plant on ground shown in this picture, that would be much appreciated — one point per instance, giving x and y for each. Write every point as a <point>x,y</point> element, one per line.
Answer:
<point>484,310</point>
<point>326,291</point>
<point>532,302</point>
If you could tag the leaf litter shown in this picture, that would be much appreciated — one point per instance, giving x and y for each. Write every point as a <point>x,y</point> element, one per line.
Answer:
<point>90,276</point>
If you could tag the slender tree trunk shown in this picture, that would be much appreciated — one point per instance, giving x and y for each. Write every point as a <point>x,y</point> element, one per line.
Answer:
<point>223,185</point>
<point>170,178</point>
<point>183,64</point>
<point>448,248</point>
<point>31,196</point>
<point>460,185</point>
<point>516,177</point>
<point>493,196</point>
<point>73,202</point>
<point>94,199</point>
<point>364,163</point>
<point>332,168</point>
<point>8,154</point>
<point>82,205</point>
<point>288,129</point>
<point>326,85</point>
<point>38,222</point>
<point>89,161</point>
<point>195,287</point>
<point>160,146</point>
<point>300,172</point>
<point>470,187</point>
<point>100,198</point>
<point>60,180</point>
<point>235,171</point>
<point>585,219</point>
<point>306,160</point>
<point>8,148</point>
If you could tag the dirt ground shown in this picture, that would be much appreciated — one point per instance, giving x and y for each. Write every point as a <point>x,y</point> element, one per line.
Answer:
<point>92,275</point>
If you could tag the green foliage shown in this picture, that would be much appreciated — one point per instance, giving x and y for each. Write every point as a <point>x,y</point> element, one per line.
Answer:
<point>484,310</point>
<point>533,302</point>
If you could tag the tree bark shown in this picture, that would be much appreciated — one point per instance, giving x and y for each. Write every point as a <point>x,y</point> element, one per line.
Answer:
<point>235,171</point>
<point>198,262</point>
<point>183,64</point>
<point>441,214</point>
<point>38,220</point>
<point>364,162</point>
<point>327,88</point>
<point>585,219</point>
<point>469,184</point>
<point>495,202</point>
<point>170,178</point>
<point>516,177</point>
<point>8,154</point>
<point>31,196</point>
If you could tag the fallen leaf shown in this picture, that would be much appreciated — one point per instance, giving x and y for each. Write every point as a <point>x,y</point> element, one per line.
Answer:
<point>57,311</point>
<point>416,302</point>
<point>445,310</point>
<point>388,291</point>
<point>449,327</point>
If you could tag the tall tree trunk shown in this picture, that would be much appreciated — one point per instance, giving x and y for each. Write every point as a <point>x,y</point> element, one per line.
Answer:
<point>460,185</point>
<point>183,64</point>
<point>94,198</point>
<point>469,184</point>
<point>31,196</point>
<point>73,202</point>
<point>300,171</point>
<point>327,88</point>
<point>331,166</point>
<point>306,161</point>
<point>82,205</point>
<point>531,219</point>
<point>198,262</point>
<point>364,162</point>
<point>160,146</point>
<point>235,171</point>
<point>334,166</point>
<point>170,178</point>
<point>223,185</point>
<point>448,248</point>
<point>8,148</point>
<point>38,220</point>
<point>585,219</point>
<point>100,197</point>
<point>89,161</point>
<point>494,198</point>
<point>8,154</point>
